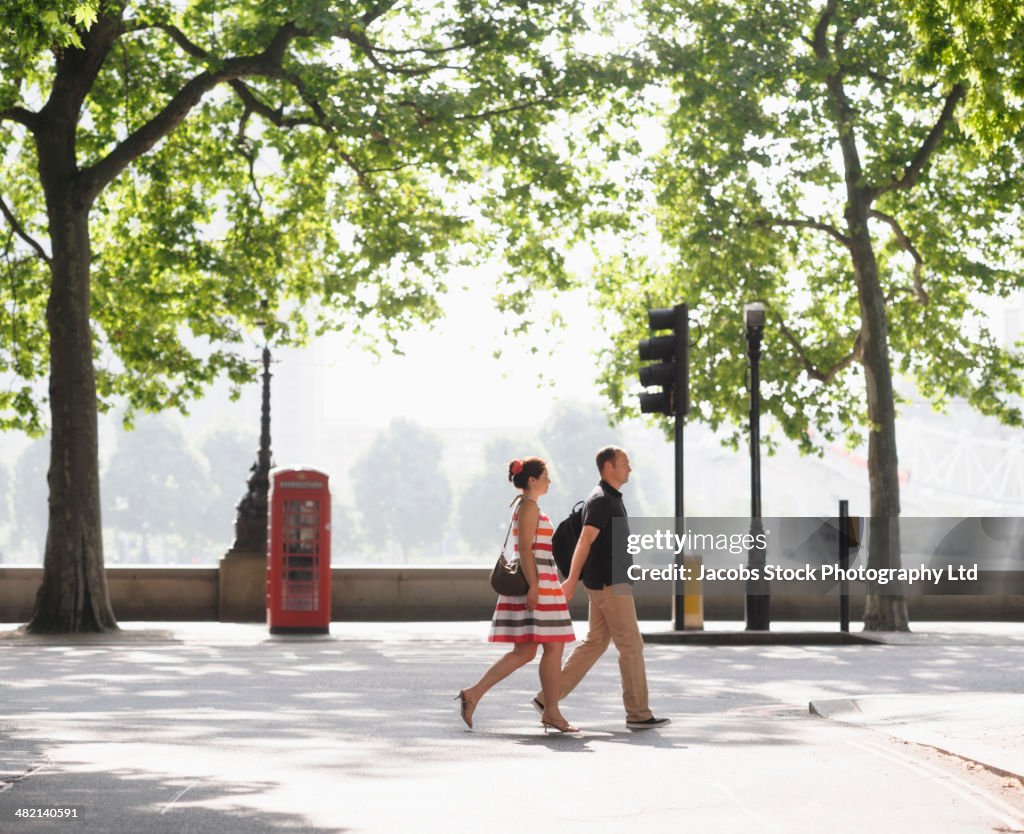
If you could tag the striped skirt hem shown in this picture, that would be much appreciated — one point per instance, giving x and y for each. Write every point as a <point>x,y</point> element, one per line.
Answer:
<point>531,638</point>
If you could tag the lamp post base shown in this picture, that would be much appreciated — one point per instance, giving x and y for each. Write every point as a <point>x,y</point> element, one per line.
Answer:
<point>757,612</point>
<point>242,587</point>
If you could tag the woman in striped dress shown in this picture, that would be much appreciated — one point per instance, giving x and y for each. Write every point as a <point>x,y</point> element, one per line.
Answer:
<point>538,619</point>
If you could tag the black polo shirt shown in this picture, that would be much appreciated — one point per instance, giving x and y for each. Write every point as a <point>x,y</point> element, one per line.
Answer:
<point>602,505</point>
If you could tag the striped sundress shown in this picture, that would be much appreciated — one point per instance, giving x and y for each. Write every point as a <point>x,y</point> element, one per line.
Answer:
<point>549,622</point>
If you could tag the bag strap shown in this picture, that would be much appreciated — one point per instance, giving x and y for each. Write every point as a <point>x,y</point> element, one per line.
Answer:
<point>515,508</point>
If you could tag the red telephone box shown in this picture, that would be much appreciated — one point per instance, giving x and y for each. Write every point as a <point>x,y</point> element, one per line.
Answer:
<point>299,552</point>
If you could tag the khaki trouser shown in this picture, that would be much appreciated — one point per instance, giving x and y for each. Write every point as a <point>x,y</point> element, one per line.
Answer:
<point>611,618</point>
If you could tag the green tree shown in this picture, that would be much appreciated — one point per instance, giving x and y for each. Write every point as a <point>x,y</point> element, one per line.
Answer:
<point>568,441</point>
<point>402,493</point>
<point>571,437</point>
<point>230,455</point>
<point>347,539</point>
<point>5,494</point>
<point>804,168</point>
<point>980,42</point>
<point>29,502</point>
<point>484,504</point>
<point>176,174</point>
<point>156,486</point>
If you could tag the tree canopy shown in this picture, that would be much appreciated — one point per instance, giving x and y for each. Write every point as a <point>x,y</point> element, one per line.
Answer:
<point>980,42</point>
<point>803,167</point>
<point>178,174</point>
<point>751,193</point>
<point>277,167</point>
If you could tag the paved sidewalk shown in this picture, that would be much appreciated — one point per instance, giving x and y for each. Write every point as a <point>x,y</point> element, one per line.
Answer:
<point>168,727</point>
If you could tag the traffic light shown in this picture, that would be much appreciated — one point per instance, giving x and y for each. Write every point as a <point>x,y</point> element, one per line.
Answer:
<point>671,353</point>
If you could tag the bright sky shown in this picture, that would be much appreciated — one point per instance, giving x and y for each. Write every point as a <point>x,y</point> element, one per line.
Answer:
<point>449,376</point>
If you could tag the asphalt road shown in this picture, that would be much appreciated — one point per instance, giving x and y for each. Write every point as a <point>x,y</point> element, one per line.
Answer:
<point>212,728</point>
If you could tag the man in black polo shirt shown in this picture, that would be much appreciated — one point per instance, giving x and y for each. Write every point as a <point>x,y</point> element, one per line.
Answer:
<point>612,613</point>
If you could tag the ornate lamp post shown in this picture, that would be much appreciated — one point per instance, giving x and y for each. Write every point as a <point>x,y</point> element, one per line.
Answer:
<point>251,518</point>
<point>242,575</point>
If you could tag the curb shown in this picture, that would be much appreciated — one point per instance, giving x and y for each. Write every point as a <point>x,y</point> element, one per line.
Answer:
<point>848,711</point>
<point>22,637</point>
<point>834,709</point>
<point>762,638</point>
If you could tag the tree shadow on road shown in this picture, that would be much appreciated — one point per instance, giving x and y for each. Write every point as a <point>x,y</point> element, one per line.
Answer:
<point>127,801</point>
<point>373,710</point>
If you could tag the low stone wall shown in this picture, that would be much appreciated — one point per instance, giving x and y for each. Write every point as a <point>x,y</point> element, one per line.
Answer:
<point>140,593</point>
<point>447,593</point>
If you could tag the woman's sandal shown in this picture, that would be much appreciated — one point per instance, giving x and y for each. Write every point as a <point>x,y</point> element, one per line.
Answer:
<point>466,708</point>
<point>561,726</point>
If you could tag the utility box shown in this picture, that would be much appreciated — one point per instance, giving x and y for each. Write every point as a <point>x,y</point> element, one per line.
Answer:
<point>299,552</point>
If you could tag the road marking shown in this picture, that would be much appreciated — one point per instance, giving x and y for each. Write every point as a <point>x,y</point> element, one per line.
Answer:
<point>32,771</point>
<point>764,823</point>
<point>992,805</point>
<point>188,787</point>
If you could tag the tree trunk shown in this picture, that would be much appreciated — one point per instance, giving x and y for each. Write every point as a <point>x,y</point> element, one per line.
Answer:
<point>73,596</point>
<point>885,608</point>
<point>888,612</point>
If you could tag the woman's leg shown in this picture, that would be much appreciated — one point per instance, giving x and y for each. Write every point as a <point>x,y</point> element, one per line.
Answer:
<point>521,654</point>
<point>550,682</point>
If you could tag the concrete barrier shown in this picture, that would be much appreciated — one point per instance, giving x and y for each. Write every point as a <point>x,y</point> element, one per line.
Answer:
<point>452,593</point>
<point>138,593</point>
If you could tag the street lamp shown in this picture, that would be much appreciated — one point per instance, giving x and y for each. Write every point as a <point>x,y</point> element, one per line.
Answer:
<point>251,518</point>
<point>241,591</point>
<point>758,602</point>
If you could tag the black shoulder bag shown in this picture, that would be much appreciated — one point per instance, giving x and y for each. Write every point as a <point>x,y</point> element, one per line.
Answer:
<point>507,576</point>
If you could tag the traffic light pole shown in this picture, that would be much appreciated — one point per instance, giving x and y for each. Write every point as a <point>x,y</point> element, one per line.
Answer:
<point>681,407</point>
<point>844,565</point>
<point>671,371</point>
<point>678,613</point>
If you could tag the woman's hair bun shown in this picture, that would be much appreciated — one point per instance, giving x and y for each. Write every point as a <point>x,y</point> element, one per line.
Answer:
<point>520,470</point>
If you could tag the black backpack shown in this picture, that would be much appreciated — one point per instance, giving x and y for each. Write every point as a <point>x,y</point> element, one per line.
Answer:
<point>563,542</point>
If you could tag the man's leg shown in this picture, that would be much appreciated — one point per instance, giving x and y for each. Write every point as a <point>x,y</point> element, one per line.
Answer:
<point>619,611</point>
<point>587,651</point>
